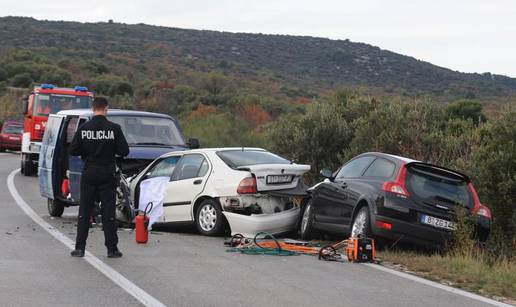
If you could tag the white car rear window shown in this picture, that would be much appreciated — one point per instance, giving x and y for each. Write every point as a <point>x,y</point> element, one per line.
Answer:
<point>237,158</point>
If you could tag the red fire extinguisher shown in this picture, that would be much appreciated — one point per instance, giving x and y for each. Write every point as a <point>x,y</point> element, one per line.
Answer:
<point>142,222</point>
<point>65,187</point>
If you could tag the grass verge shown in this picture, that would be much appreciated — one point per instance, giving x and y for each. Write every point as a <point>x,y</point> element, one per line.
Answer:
<point>469,272</point>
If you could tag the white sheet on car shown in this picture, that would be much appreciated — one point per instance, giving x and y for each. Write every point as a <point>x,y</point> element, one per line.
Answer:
<point>152,190</point>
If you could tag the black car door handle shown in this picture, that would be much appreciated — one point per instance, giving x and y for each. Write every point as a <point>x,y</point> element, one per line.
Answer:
<point>198,181</point>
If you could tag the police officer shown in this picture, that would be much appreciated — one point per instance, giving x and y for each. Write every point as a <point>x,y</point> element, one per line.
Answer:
<point>97,142</point>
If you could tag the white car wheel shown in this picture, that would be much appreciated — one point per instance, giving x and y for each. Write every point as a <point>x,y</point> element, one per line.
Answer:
<point>209,219</point>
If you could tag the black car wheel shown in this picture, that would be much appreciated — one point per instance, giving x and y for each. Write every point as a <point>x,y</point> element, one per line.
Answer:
<point>55,207</point>
<point>361,226</point>
<point>208,218</point>
<point>306,230</point>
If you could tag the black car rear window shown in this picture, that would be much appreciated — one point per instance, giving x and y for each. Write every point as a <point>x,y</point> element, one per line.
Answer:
<point>434,185</point>
<point>237,158</point>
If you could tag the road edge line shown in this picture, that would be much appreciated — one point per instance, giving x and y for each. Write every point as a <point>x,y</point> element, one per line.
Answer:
<point>128,286</point>
<point>437,285</point>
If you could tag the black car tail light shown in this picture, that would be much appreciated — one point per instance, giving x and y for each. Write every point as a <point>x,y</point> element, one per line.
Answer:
<point>398,186</point>
<point>478,208</point>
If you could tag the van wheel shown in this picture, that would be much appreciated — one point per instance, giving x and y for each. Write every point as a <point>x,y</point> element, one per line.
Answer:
<point>361,226</point>
<point>306,228</point>
<point>209,218</point>
<point>55,207</point>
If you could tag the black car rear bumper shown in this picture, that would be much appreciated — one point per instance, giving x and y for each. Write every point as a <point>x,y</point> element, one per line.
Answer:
<point>409,232</point>
<point>420,234</point>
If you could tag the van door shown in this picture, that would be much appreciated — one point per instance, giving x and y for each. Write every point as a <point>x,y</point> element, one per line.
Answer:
<point>75,166</point>
<point>47,157</point>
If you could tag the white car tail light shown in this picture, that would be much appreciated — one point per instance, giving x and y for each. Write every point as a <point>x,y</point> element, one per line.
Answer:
<point>247,186</point>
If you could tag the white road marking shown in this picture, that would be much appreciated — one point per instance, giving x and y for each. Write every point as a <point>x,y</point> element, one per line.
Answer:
<point>437,285</point>
<point>124,283</point>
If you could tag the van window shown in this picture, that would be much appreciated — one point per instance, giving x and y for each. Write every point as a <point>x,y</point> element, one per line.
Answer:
<point>148,130</point>
<point>51,130</point>
<point>71,129</point>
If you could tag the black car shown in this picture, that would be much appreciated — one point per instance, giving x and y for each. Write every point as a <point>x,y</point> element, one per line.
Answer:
<point>385,196</point>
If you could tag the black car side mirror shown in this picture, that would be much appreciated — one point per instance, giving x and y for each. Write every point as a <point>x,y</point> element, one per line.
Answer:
<point>327,173</point>
<point>193,143</point>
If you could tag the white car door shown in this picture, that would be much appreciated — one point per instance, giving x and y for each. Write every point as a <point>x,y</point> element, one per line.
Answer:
<point>188,181</point>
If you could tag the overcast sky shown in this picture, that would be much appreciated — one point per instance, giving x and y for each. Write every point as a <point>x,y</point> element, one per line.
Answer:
<point>464,35</point>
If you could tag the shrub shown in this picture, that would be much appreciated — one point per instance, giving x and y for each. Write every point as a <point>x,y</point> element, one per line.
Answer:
<point>22,80</point>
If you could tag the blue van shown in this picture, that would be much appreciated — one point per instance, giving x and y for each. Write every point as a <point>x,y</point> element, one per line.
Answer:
<point>149,135</point>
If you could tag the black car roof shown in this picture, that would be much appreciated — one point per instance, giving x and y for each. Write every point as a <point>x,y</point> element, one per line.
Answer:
<point>403,160</point>
<point>398,159</point>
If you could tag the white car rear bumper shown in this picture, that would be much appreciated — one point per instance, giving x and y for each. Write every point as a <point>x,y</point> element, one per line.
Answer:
<point>274,223</point>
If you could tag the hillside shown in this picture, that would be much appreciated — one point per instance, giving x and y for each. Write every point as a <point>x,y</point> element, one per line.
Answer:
<point>299,66</point>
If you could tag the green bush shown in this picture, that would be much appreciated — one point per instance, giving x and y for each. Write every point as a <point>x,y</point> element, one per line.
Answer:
<point>466,109</point>
<point>22,80</point>
<point>494,170</point>
<point>220,130</point>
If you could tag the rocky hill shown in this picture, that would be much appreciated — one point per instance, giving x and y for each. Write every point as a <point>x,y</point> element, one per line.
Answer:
<point>308,64</point>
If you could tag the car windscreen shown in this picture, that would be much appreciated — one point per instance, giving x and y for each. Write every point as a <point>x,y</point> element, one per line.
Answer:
<point>432,186</point>
<point>45,104</point>
<point>238,158</point>
<point>147,130</point>
<point>12,129</point>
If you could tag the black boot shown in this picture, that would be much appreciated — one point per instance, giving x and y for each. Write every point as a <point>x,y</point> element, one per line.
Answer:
<point>114,254</point>
<point>77,253</point>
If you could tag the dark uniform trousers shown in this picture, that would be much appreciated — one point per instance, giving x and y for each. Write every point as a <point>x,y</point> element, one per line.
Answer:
<point>97,183</point>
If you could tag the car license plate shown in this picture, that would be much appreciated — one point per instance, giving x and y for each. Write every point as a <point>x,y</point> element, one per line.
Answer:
<point>14,138</point>
<point>277,179</point>
<point>437,222</point>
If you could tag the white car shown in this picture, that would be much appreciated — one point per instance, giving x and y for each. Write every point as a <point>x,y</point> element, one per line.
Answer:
<point>250,188</point>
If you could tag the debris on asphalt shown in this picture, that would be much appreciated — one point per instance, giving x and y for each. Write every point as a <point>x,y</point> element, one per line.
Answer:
<point>266,244</point>
<point>8,233</point>
<point>354,249</point>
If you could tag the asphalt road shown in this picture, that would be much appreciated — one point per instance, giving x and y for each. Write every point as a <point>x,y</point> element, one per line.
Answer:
<point>178,268</point>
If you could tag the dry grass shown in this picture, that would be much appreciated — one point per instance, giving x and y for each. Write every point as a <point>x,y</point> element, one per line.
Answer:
<point>469,272</point>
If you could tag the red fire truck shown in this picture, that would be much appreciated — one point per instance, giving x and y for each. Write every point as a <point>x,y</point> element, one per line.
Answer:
<point>46,99</point>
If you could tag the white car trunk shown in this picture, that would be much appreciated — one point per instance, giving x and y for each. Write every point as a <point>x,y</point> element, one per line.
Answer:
<point>270,177</point>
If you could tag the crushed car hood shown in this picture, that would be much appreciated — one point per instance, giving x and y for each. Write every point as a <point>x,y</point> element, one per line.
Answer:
<point>151,152</point>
